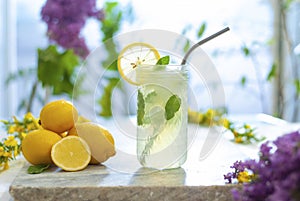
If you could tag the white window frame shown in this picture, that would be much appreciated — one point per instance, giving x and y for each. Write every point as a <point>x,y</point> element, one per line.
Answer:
<point>8,57</point>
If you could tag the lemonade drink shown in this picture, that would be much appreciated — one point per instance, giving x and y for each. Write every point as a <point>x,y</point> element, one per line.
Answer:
<point>162,116</point>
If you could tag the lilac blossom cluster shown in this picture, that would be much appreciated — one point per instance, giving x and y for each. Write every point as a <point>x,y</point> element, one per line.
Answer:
<point>66,18</point>
<point>275,176</point>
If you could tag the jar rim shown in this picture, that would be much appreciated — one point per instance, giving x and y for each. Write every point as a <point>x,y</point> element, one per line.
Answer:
<point>150,65</point>
<point>168,68</point>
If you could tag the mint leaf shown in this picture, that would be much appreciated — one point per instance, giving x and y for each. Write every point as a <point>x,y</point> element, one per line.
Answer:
<point>36,169</point>
<point>140,108</point>
<point>150,96</point>
<point>172,106</point>
<point>163,61</point>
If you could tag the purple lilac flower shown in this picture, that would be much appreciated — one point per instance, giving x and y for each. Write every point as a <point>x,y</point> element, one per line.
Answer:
<point>276,174</point>
<point>265,151</point>
<point>229,176</point>
<point>238,166</point>
<point>66,18</point>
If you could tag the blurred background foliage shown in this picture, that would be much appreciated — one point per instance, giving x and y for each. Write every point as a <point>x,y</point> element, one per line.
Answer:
<point>57,66</point>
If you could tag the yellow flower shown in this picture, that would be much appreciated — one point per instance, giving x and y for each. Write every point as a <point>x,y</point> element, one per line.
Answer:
<point>6,165</point>
<point>195,117</point>
<point>1,151</point>
<point>15,120</point>
<point>210,113</point>
<point>235,133</point>
<point>11,129</point>
<point>244,177</point>
<point>7,154</point>
<point>33,122</point>
<point>10,141</point>
<point>247,126</point>
<point>226,123</point>
<point>29,116</point>
<point>23,135</point>
<point>238,139</point>
<point>31,126</point>
<point>19,129</point>
<point>16,151</point>
<point>4,121</point>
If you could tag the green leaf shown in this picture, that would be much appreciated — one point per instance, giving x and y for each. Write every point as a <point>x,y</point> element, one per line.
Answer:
<point>172,106</point>
<point>297,86</point>
<point>142,117</point>
<point>246,50</point>
<point>272,72</point>
<point>21,73</point>
<point>112,21</point>
<point>114,14</point>
<point>186,46</point>
<point>140,108</point>
<point>57,70</point>
<point>163,61</point>
<point>270,42</point>
<point>113,66</point>
<point>105,100</point>
<point>150,96</point>
<point>287,4</point>
<point>109,6</point>
<point>48,68</point>
<point>110,62</point>
<point>201,30</point>
<point>36,169</point>
<point>243,81</point>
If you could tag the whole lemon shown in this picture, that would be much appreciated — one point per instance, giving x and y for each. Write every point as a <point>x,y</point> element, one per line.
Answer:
<point>36,146</point>
<point>73,131</point>
<point>99,139</point>
<point>58,116</point>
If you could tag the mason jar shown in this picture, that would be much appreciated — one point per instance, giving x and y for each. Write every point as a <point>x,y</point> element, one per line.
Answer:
<point>162,110</point>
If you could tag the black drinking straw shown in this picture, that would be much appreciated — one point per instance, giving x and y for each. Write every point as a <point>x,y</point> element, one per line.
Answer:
<point>202,42</point>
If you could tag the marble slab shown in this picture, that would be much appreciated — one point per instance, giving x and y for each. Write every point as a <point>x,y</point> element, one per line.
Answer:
<point>210,155</point>
<point>101,183</point>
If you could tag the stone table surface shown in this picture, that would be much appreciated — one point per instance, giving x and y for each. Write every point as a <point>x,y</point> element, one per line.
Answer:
<point>210,155</point>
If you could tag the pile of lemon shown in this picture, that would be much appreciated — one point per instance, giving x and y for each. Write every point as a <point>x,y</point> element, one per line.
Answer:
<point>66,139</point>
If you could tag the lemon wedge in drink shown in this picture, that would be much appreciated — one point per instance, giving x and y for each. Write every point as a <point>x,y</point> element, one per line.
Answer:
<point>134,55</point>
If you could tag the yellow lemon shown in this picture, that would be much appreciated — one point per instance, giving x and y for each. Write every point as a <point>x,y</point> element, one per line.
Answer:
<point>64,134</point>
<point>58,116</point>
<point>71,153</point>
<point>82,119</point>
<point>134,55</point>
<point>73,131</point>
<point>36,146</point>
<point>99,139</point>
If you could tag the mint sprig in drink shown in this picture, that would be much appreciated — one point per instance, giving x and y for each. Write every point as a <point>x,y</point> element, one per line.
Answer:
<point>162,115</point>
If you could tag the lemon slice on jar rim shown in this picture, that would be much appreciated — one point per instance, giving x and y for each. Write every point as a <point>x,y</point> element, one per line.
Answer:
<point>134,55</point>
